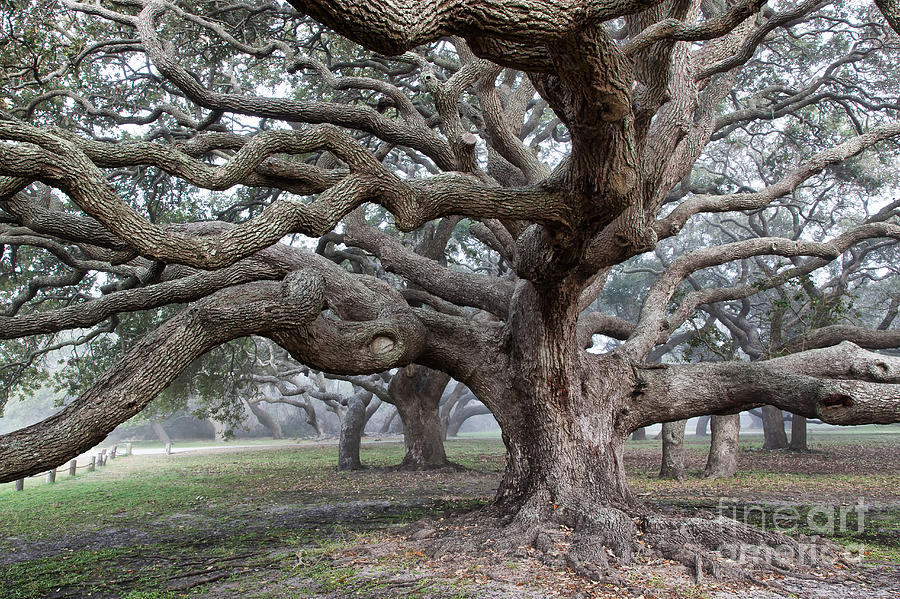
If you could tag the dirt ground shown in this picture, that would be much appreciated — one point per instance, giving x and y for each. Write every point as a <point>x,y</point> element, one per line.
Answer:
<point>282,523</point>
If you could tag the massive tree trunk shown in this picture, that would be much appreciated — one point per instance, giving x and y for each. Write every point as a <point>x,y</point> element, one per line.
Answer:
<point>416,392</point>
<point>773,428</point>
<point>560,418</point>
<point>798,433</point>
<point>672,450</point>
<point>723,446</point>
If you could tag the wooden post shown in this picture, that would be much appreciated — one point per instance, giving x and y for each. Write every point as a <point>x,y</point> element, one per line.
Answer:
<point>168,449</point>
<point>20,484</point>
<point>93,465</point>
<point>128,449</point>
<point>73,466</point>
<point>112,452</point>
<point>51,476</point>
<point>102,460</point>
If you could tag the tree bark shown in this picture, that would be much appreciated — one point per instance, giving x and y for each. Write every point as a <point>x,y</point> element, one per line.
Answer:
<point>152,363</point>
<point>416,392</point>
<point>351,434</point>
<point>672,450</point>
<point>723,446</point>
<point>773,428</point>
<point>558,413</point>
<point>798,433</point>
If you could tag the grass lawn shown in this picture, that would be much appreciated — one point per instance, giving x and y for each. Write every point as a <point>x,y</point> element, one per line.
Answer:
<point>160,527</point>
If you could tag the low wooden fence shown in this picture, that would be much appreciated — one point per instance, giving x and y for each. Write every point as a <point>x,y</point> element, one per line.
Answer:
<point>72,468</point>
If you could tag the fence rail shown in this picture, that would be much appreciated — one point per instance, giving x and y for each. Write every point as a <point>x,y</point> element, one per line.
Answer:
<point>72,468</point>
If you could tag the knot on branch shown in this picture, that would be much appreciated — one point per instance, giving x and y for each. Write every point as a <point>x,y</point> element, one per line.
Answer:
<point>837,400</point>
<point>382,345</point>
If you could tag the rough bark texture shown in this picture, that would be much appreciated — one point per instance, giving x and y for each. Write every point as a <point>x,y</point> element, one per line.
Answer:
<point>672,450</point>
<point>773,428</point>
<point>723,446</point>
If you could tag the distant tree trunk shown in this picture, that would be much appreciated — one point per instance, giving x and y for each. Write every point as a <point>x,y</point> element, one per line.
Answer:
<point>265,419</point>
<point>219,430</point>
<point>160,432</point>
<point>449,402</point>
<point>798,433</point>
<point>389,421</point>
<point>640,434</point>
<point>773,428</point>
<point>702,424</point>
<point>463,412</point>
<point>417,391</point>
<point>351,433</point>
<point>672,450</point>
<point>312,419</point>
<point>723,446</point>
<point>373,406</point>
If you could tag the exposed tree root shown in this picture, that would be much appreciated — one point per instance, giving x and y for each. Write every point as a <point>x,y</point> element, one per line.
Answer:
<point>597,546</point>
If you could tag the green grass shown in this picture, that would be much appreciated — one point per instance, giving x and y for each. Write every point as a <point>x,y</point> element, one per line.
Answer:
<point>187,495</point>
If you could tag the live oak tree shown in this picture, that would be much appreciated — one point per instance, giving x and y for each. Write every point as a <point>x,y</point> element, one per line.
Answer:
<point>561,135</point>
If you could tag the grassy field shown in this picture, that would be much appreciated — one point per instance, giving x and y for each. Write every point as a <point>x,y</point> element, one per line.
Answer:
<point>243,522</point>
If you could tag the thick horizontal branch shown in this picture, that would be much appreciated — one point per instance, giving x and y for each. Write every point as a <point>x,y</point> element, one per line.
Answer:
<point>365,347</point>
<point>838,333</point>
<point>597,323</point>
<point>60,162</point>
<point>151,364</point>
<point>392,27</point>
<point>183,290</point>
<point>842,385</point>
